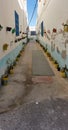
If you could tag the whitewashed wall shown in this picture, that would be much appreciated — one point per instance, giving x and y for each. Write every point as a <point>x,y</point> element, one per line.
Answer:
<point>53,14</point>
<point>7,18</point>
<point>7,8</point>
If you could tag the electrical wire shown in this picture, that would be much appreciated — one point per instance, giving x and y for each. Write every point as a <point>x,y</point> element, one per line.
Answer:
<point>33,11</point>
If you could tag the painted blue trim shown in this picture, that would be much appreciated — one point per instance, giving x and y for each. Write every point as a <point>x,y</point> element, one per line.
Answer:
<point>11,55</point>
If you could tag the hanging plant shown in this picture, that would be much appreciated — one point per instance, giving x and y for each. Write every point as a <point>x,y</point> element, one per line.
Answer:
<point>5,46</point>
<point>13,30</point>
<point>65,27</point>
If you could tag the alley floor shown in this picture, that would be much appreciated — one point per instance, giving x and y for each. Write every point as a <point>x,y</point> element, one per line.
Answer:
<point>31,102</point>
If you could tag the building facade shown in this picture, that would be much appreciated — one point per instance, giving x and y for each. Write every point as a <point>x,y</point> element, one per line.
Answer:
<point>52,28</point>
<point>13,24</point>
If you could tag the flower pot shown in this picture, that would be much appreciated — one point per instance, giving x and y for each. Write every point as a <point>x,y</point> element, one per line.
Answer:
<point>11,71</point>
<point>67,73</point>
<point>5,46</point>
<point>4,80</point>
<point>19,55</point>
<point>63,74</point>
<point>45,49</point>
<point>13,30</point>
<point>53,60</point>
<point>17,59</point>
<point>50,58</point>
<point>14,63</point>
<point>65,28</point>
<point>48,54</point>
<point>56,66</point>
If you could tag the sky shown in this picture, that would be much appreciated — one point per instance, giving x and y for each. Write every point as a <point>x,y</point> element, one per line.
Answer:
<point>30,8</point>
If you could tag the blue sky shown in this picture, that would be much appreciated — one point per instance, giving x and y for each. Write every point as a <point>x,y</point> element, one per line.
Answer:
<point>30,7</point>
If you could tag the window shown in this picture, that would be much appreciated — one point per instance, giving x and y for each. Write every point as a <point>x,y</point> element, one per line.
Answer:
<point>17,23</point>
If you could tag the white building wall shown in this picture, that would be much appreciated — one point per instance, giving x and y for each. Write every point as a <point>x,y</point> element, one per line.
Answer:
<point>53,14</point>
<point>7,8</point>
<point>7,18</point>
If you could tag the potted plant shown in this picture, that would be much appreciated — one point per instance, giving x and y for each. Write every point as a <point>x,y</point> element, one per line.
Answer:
<point>13,30</point>
<point>65,27</point>
<point>5,46</point>
<point>4,79</point>
<point>14,63</point>
<point>58,67</point>
<point>62,72</point>
<point>11,71</point>
<point>17,58</point>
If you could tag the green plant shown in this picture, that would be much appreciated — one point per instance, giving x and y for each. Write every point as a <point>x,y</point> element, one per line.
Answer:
<point>13,30</point>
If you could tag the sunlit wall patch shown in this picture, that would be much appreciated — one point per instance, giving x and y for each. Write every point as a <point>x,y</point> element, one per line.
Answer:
<point>20,3</point>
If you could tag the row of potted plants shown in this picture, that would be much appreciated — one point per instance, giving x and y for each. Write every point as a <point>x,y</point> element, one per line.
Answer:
<point>56,64</point>
<point>10,69</point>
<point>19,39</point>
<point>63,71</point>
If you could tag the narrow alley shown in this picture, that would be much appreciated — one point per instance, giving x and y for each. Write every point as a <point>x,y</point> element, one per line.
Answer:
<point>32,101</point>
<point>33,65</point>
